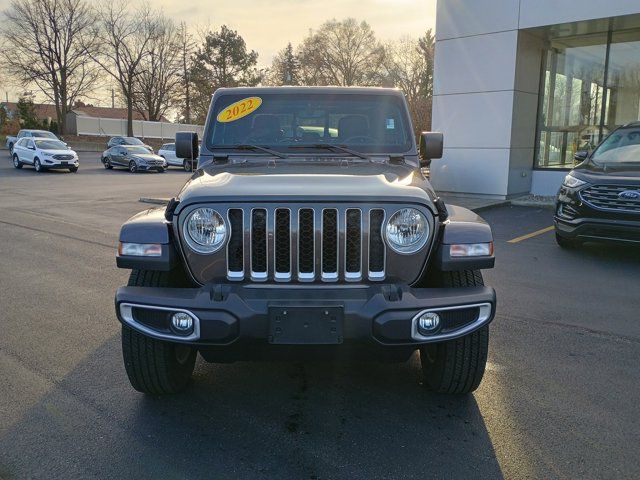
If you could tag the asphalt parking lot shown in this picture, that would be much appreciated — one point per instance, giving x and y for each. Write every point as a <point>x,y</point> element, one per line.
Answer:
<point>559,399</point>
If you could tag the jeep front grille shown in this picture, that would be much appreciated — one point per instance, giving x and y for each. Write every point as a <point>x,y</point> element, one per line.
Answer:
<point>306,244</point>
<point>606,197</point>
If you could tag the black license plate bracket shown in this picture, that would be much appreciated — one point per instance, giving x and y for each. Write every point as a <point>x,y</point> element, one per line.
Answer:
<point>312,325</point>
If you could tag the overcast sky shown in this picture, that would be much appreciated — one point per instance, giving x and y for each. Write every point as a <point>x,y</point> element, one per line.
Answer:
<point>267,25</point>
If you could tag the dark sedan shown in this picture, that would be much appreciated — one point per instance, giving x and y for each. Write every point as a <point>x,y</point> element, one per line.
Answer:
<point>115,141</point>
<point>600,198</point>
<point>134,157</point>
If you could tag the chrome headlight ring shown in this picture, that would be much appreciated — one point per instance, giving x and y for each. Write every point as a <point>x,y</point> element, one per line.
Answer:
<point>407,231</point>
<point>204,230</point>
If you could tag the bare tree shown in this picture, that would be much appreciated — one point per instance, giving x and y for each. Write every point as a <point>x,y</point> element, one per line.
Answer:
<point>409,66</point>
<point>48,43</point>
<point>187,47</point>
<point>124,38</point>
<point>342,53</point>
<point>157,84</point>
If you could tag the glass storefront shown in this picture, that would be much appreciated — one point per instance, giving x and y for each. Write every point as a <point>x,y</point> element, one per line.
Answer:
<point>590,85</point>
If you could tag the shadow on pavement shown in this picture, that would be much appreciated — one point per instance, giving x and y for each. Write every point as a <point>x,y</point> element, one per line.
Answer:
<point>250,420</point>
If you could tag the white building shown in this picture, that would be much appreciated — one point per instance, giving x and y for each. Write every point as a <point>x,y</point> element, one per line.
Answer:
<point>521,85</point>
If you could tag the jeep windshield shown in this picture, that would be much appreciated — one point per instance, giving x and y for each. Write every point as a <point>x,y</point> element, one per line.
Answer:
<point>294,123</point>
<point>621,147</point>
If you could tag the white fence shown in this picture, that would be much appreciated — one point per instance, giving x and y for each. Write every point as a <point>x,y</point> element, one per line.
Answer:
<point>142,129</point>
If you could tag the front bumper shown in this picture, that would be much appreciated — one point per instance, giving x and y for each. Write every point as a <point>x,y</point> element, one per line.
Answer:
<point>599,229</point>
<point>242,315</point>
<point>60,164</point>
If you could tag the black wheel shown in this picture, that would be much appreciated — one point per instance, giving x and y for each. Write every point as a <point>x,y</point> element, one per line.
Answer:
<point>162,170</point>
<point>107,163</point>
<point>568,243</point>
<point>187,166</point>
<point>37,165</point>
<point>11,147</point>
<point>16,161</point>
<point>155,366</point>
<point>456,366</point>
<point>133,168</point>
<point>73,169</point>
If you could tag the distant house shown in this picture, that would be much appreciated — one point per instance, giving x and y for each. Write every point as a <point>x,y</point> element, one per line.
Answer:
<point>45,111</point>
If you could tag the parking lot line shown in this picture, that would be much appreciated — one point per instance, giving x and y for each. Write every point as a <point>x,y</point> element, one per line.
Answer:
<point>531,235</point>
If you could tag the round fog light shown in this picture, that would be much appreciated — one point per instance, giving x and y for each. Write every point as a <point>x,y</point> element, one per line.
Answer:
<point>428,323</point>
<point>182,322</point>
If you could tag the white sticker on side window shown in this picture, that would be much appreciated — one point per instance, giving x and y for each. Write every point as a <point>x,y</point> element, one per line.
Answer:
<point>391,124</point>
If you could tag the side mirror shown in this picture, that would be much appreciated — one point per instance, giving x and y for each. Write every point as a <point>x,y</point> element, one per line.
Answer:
<point>581,155</point>
<point>187,145</point>
<point>431,144</point>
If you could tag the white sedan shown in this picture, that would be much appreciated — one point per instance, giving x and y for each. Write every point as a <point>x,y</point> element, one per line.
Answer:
<point>168,152</point>
<point>44,154</point>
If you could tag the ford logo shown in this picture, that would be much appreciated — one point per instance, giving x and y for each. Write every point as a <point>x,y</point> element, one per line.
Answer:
<point>630,195</point>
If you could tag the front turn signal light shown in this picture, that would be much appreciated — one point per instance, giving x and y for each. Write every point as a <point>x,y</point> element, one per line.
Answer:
<point>471,249</point>
<point>140,249</point>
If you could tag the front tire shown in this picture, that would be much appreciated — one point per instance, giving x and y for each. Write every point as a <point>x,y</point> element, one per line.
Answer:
<point>133,168</point>
<point>73,169</point>
<point>456,366</point>
<point>37,165</point>
<point>153,366</point>
<point>16,162</point>
<point>187,165</point>
<point>107,164</point>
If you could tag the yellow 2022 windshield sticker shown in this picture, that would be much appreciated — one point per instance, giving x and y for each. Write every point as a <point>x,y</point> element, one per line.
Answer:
<point>239,109</point>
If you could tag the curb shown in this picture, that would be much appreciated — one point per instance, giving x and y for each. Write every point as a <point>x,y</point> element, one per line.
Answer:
<point>527,203</point>
<point>154,201</point>
<point>491,206</point>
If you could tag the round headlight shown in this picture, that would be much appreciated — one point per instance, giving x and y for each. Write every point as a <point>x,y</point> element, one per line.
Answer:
<point>205,230</point>
<point>407,231</point>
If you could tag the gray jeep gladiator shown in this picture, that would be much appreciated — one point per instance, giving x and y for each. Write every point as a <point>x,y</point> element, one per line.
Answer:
<point>308,231</point>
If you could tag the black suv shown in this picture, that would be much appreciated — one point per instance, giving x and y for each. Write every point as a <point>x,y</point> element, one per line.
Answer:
<point>599,199</point>
<point>307,230</point>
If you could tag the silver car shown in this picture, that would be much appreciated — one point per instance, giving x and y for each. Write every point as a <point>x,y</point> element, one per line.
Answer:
<point>134,157</point>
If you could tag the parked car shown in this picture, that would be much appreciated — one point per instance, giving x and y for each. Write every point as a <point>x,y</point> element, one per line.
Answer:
<point>599,199</point>
<point>44,154</point>
<point>282,247</point>
<point>134,157</point>
<point>114,141</point>
<point>168,152</point>
<point>29,133</point>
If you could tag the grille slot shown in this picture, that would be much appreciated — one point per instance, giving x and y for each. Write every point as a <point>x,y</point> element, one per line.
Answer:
<point>605,197</point>
<point>259,244</point>
<point>376,244</point>
<point>305,244</point>
<point>283,244</point>
<point>330,244</point>
<point>235,250</point>
<point>353,248</point>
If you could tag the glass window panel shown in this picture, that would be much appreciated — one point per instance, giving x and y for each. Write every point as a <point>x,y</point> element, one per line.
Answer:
<point>572,98</point>
<point>623,79</point>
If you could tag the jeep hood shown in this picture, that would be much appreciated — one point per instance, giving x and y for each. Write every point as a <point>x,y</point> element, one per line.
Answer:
<point>287,181</point>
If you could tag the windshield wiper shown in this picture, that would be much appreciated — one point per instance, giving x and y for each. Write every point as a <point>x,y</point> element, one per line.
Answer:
<point>254,147</point>
<point>330,146</point>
